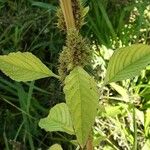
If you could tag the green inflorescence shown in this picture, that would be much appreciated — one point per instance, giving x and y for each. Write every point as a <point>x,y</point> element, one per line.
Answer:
<point>77,52</point>
<point>78,13</point>
<point>60,21</point>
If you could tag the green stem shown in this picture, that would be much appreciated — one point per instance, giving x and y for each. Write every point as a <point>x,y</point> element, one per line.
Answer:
<point>135,129</point>
<point>20,127</point>
<point>22,111</point>
<point>29,96</point>
<point>22,98</point>
<point>6,140</point>
<point>56,76</point>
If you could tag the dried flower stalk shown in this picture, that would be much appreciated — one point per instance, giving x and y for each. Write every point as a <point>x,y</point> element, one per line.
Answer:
<point>66,6</point>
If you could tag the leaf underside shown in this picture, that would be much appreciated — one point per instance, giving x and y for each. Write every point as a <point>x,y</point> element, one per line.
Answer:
<point>58,120</point>
<point>82,100</point>
<point>23,67</point>
<point>127,62</point>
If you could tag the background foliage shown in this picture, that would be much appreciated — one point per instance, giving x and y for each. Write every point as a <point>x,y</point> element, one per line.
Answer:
<point>31,26</point>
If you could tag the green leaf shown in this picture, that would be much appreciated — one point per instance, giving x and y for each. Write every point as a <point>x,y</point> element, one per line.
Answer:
<point>58,120</point>
<point>127,62</point>
<point>44,5</point>
<point>82,99</point>
<point>146,145</point>
<point>98,140</point>
<point>85,11</point>
<point>122,91</point>
<point>24,67</point>
<point>113,111</point>
<point>55,147</point>
<point>147,123</point>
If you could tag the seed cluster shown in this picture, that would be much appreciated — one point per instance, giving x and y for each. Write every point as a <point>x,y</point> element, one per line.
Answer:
<point>78,13</point>
<point>77,52</point>
<point>60,21</point>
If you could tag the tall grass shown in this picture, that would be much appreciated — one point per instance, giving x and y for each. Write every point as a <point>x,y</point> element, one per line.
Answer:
<point>110,22</point>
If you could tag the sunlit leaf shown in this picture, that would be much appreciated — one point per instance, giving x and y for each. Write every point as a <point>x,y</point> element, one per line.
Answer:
<point>127,62</point>
<point>122,91</point>
<point>85,11</point>
<point>98,140</point>
<point>58,120</point>
<point>24,67</point>
<point>82,99</point>
<point>146,145</point>
<point>113,111</point>
<point>55,147</point>
<point>147,123</point>
<point>140,116</point>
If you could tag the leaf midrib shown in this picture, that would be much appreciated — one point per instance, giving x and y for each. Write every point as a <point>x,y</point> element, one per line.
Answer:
<point>130,65</point>
<point>27,68</point>
<point>63,125</point>
<point>79,75</point>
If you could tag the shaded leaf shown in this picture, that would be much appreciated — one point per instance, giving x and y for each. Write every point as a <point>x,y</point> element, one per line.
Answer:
<point>58,120</point>
<point>44,5</point>
<point>127,62</point>
<point>82,99</point>
<point>24,67</point>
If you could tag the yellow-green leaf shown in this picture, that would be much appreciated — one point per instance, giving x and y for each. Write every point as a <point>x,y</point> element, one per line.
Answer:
<point>58,120</point>
<point>146,145</point>
<point>55,147</point>
<point>127,62</point>
<point>147,123</point>
<point>82,100</point>
<point>122,91</point>
<point>24,67</point>
<point>113,111</point>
